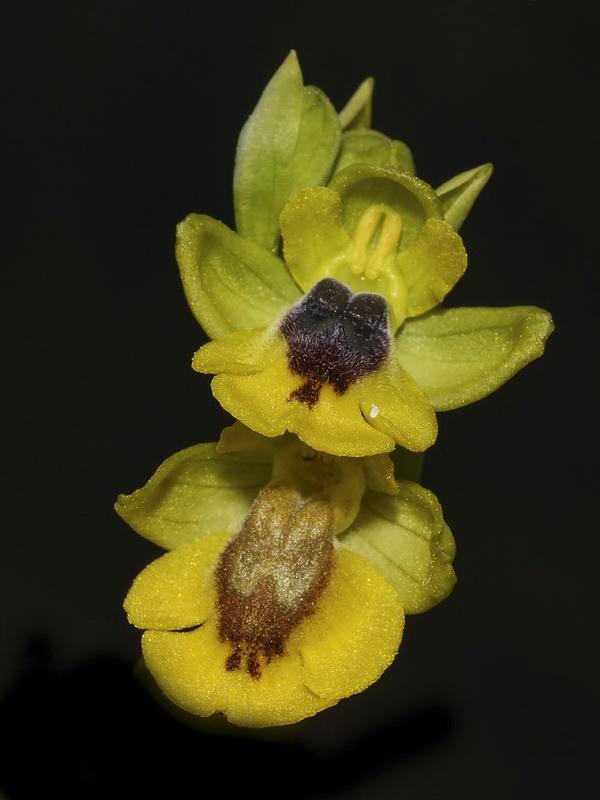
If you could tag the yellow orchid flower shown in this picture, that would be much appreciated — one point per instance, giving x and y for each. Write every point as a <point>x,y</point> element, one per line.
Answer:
<point>300,602</point>
<point>365,358</point>
<point>326,371</point>
<point>327,368</point>
<point>275,668</point>
<point>323,307</point>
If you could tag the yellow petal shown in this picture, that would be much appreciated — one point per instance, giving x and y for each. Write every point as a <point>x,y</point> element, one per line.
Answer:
<point>374,414</point>
<point>190,669</point>
<point>431,266</point>
<point>396,406</point>
<point>340,650</point>
<point>261,401</point>
<point>355,633</point>
<point>313,234</point>
<point>176,590</point>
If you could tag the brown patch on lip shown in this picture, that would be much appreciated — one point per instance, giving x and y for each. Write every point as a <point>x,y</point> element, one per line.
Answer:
<point>335,337</point>
<point>271,574</point>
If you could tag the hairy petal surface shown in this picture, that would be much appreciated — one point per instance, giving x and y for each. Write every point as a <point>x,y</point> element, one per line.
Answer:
<point>189,668</point>
<point>356,633</point>
<point>177,590</point>
<point>343,647</point>
<point>254,383</point>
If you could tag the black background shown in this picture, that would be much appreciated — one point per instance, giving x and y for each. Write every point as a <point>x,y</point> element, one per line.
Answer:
<point>121,118</point>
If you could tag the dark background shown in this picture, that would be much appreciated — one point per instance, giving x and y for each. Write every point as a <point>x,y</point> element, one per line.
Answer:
<point>120,119</point>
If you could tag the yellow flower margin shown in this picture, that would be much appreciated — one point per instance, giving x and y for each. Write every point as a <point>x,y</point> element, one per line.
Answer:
<point>377,411</point>
<point>438,358</point>
<point>340,650</point>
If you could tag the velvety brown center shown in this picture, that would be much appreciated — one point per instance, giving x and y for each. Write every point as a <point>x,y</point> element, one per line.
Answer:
<point>335,337</point>
<point>271,574</point>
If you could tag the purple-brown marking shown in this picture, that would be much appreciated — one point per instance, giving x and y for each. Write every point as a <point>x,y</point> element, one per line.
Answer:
<point>335,337</point>
<point>271,574</point>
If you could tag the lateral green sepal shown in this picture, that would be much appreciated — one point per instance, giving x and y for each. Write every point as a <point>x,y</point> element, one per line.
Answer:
<point>406,539</point>
<point>194,493</point>
<point>230,283</point>
<point>459,193</point>
<point>460,355</point>
<point>358,110</point>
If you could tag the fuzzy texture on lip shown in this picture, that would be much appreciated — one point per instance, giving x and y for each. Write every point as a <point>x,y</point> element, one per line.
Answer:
<point>335,337</point>
<point>272,573</point>
<point>256,385</point>
<point>342,648</point>
<point>321,615</point>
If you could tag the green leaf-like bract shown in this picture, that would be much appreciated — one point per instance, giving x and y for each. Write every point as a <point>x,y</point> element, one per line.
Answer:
<point>358,110</point>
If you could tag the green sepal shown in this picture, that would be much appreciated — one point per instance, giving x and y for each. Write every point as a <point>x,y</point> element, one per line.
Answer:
<point>365,146</point>
<point>357,112</point>
<point>459,193</point>
<point>194,493</point>
<point>289,142</point>
<point>406,538</point>
<point>231,284</point>
<point>361,185</point>
<point>460,355</point>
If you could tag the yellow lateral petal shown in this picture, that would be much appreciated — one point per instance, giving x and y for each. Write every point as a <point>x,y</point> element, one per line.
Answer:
<point>313,234</point>
<point>431,266</point>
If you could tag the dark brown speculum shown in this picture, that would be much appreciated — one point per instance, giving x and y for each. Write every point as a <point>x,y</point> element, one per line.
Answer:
<point>335,337</point>
<point>271,575</point>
